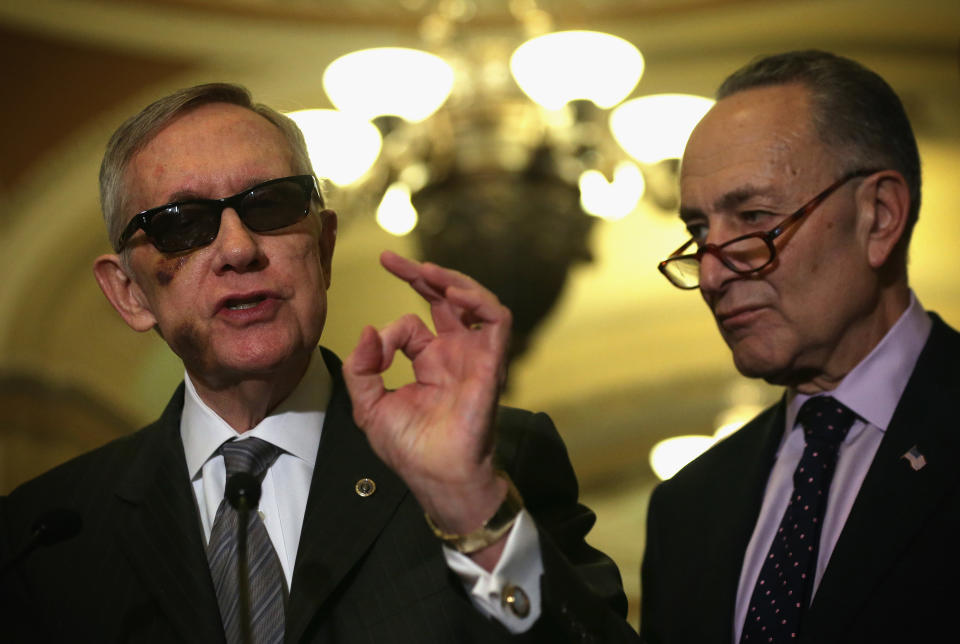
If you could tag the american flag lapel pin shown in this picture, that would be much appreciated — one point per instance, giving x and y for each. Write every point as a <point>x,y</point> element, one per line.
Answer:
<point>915,458</point>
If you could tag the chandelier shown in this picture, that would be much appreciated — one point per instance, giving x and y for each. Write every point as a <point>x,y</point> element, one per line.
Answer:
<point>499,152</point>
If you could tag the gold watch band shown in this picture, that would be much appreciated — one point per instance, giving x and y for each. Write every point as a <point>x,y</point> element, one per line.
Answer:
<point>492,529</point>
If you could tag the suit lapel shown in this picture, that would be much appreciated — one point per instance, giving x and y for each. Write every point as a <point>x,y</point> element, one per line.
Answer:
<point>733,517</point>
<point>895,500</point>
<point>339,525</point>
<point>160,532</point>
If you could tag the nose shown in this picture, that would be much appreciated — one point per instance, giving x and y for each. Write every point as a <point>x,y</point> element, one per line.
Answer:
<point>714,274</point>
<point>238,248</point>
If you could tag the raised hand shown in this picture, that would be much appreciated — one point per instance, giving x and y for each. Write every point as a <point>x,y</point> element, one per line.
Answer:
<point>437,432</point>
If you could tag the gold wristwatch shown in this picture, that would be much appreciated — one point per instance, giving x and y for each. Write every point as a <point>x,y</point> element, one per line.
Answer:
<point>492,529</point>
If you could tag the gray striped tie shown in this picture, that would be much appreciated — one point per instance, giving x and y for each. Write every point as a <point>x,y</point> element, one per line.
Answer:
<point>268,588</point>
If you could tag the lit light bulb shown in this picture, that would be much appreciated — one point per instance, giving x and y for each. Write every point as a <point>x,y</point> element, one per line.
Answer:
<point>342,147</point>
<point>612,200</point>
<point>654,128</point>
<point>669,456</point>
<point>396,213</point>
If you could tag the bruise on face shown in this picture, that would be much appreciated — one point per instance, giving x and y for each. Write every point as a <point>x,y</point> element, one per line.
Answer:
<point>166,268</point>
<point>186,340</point>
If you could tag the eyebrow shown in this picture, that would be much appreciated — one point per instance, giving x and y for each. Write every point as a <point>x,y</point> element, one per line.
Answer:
<point>182,195</point>
<point>728,201</point>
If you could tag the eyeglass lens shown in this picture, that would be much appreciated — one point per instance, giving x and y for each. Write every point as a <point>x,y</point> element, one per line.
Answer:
<point>740,255</point>
<point>196,223</point>
<point>745,254</point>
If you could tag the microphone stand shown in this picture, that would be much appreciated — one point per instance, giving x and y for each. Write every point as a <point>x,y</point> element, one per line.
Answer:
<point>243,492</point>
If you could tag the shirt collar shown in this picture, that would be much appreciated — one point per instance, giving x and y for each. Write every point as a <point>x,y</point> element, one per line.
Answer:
<point>874,387</point>
<point>294,425</point>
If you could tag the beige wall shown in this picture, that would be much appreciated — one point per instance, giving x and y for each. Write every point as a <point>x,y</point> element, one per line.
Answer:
<point>624,360</point>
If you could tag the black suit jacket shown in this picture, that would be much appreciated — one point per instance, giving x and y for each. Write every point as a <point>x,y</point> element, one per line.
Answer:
<point>367,570</point>
<point>893,574</point>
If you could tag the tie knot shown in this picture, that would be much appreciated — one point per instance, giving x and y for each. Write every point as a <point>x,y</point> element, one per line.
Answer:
<point>825,419</point>
<point>251,455</point>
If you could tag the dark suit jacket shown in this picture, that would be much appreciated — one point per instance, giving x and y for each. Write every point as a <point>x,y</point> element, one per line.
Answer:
<point>893,574</point>
<point>367,570</point>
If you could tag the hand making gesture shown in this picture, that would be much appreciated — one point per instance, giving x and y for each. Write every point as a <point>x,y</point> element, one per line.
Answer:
<point>436,433</point>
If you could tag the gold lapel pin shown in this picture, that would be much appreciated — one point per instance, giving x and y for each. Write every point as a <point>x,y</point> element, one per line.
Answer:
<point>365,487</point>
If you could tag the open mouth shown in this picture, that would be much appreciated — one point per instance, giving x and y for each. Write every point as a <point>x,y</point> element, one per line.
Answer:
<point>244,304</point>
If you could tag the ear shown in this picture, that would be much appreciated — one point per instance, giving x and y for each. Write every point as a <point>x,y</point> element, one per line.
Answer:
<point>124,293</point>
<point>883,201</point>
<point>328,238</point>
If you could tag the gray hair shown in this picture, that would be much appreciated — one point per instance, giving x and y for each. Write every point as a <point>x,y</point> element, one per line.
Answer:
<point>137,131</point>
<point>854,110</point>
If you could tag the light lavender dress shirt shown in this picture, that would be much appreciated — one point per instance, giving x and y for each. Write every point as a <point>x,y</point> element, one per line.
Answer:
<point>872,390</point>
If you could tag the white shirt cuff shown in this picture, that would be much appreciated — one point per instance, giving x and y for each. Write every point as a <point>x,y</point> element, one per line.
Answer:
<point>520,567</point>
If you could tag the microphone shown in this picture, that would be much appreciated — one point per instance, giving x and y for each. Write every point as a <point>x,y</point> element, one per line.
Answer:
<point>49,529</point>
<point>243,492</point>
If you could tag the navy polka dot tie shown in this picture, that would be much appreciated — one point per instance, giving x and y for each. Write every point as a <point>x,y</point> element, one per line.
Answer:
<point>784,586</point>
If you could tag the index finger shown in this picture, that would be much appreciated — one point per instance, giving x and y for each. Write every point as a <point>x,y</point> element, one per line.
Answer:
<point>429,280</point>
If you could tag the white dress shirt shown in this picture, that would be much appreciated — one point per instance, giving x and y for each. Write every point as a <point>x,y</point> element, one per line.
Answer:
<point>872,390</point>
<point>295,427</point>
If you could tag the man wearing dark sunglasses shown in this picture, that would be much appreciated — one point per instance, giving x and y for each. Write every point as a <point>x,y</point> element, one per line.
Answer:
<point>833,516</point>
<point>446,519</point>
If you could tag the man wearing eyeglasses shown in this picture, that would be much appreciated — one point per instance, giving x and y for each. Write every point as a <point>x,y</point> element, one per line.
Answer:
<point>833,516</point>
<point>223,246</point>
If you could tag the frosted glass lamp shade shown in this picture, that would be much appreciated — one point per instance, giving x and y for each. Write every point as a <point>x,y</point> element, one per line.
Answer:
<point>388,81</point>
<point>563,66</point>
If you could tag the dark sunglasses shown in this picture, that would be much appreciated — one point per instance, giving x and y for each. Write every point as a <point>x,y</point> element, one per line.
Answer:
<point>184,225</point>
